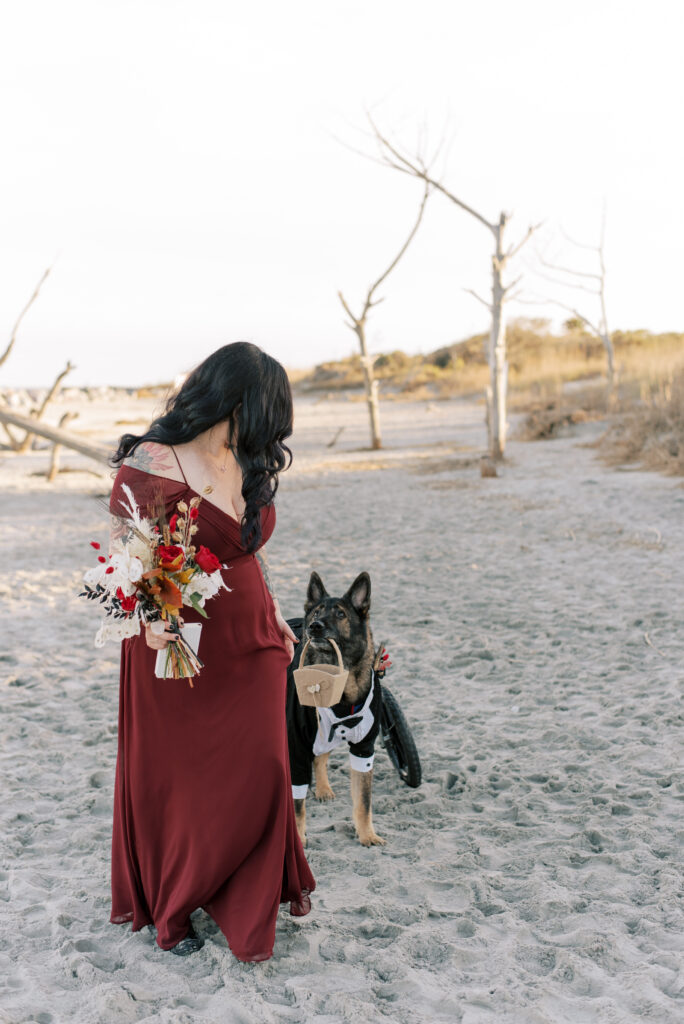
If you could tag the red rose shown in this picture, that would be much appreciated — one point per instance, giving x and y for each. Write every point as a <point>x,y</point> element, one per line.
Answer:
<point>207,560</point>
<point>193,513</point>
<point>110,568</point>
<point>127,603</point>
<point>173,522</point>
<point>95,545</point>
<point>101,558</point>
<point>170,556</point>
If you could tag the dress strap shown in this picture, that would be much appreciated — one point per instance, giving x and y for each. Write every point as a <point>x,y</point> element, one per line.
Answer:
<point>179,465</point>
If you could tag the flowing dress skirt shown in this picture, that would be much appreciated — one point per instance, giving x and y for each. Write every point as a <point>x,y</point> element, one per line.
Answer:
<point>203,811</point>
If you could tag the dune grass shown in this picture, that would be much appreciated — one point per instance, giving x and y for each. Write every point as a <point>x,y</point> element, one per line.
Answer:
<point>557,380</point>
<point>541,365</point>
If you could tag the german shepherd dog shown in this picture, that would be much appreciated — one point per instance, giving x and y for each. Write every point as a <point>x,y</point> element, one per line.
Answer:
<point>355,719</point>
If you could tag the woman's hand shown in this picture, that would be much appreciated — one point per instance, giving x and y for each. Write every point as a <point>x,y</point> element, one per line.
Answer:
<point>289,637</point>
<point>159,634</point>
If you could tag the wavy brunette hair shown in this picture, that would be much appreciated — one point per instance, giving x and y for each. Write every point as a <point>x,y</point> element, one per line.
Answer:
<point>244,385</point>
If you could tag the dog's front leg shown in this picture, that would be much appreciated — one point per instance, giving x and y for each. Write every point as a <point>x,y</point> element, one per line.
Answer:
<point>361,786</point>
<point>300,818</point>
<point>323,787</point>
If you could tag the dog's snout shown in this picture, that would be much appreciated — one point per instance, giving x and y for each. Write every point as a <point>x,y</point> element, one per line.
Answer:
<point>316,628</point>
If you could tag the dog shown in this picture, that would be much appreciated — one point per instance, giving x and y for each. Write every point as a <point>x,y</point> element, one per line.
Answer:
<point>314,732</point>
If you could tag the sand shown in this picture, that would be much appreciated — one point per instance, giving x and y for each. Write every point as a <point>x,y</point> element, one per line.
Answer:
<point>534,625</point>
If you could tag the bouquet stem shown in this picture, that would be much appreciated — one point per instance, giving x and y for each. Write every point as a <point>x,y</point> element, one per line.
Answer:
<point>181,661</point>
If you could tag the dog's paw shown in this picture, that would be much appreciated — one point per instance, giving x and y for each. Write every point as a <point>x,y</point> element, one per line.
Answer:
<point>324,793</point>
<point>371,839</point>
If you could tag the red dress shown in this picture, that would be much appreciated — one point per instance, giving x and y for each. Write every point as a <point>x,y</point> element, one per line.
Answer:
<point>203,811</point>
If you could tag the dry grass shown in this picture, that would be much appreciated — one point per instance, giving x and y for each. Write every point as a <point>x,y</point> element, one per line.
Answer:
<point>651,432</point>
<point>541,365</point>
<point>557,380</point>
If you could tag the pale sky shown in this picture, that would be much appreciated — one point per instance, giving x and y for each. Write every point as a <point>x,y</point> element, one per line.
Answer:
<point>179,162</point>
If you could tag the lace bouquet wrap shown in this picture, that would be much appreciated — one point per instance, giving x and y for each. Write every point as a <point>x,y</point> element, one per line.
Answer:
<point>155,570</point>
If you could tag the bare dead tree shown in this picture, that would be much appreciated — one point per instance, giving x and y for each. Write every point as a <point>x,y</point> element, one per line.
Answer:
<point>416,166</point>
<point>37,414</point>
<point>358,325</point>
<point>592,284</point>
<point>25,310</point>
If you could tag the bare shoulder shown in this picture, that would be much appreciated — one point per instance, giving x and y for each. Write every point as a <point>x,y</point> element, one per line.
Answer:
<point>157,459</point>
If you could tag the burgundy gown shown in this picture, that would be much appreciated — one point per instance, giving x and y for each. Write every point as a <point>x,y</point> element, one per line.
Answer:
<point>203,811</point>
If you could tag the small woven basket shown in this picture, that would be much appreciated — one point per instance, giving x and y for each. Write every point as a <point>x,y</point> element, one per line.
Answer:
<point>320,686</point>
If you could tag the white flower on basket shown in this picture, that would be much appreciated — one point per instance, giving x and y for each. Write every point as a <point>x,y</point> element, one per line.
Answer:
<point>205,585</point>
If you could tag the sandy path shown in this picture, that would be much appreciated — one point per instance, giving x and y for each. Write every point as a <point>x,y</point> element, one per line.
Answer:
<point>533,622</point>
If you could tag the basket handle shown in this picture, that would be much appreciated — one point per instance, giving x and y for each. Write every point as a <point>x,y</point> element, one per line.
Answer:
<point>330,641</point>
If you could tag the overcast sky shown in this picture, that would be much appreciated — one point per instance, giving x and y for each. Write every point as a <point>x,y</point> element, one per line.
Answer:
<point>179,161</point>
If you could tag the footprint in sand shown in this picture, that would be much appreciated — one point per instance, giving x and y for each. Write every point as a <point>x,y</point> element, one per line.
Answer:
<point>454,783</point>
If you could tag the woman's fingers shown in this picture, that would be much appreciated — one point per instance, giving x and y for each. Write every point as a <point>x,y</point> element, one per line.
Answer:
<point>159,639</point>
<point>289,633</point>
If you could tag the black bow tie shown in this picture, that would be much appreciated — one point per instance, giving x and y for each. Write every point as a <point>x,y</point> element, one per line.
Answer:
<point>348,723</point>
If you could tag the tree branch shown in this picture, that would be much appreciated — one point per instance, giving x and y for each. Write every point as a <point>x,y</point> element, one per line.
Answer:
<point>513,283</point>
<point>568,270</point>
<point>404,247</point>
<point>55,387</point>
<point>370,302</point>
<point>26,441</point>
<point>514,250</point>
<point>346,307</point>
<point>568,284</point>
<point>418,169</point>
<point>479,298</point>
<point>25,310</point>
<point>570,309</point>
<point>580,245</point>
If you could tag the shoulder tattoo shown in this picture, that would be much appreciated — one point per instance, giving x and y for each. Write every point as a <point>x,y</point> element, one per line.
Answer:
<point>151,457</point>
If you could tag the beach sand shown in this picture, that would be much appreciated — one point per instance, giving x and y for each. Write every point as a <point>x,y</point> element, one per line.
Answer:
<point>534,624</point>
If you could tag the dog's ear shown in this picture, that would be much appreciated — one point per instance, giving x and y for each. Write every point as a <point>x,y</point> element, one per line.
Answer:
<point>315,593</point>
<point>358,594</point>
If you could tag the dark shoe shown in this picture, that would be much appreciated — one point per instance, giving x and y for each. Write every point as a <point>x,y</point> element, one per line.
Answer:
<point>190,944</point>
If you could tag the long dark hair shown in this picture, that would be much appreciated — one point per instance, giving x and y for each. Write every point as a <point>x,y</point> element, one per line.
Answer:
<point>244,385</point>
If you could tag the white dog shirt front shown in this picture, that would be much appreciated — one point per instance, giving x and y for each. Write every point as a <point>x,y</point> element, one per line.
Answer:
<point>333,732</point>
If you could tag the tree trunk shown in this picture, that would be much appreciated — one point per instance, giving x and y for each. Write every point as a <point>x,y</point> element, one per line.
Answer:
<point>57,448</point>
<point>371,386</point>
<point>498,367</point>
<point>606,338</point>
<point>97,452</point>
<point>611,374</point>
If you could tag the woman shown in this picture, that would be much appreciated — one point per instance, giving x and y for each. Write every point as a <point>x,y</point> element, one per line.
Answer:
<point>203,812</point>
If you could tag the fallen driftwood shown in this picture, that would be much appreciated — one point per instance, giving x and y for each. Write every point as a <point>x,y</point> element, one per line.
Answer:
<point>97,452</point>
<point>57,448</point>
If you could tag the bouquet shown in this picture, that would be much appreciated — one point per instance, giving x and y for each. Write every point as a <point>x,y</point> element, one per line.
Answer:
<point>157,570</point>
